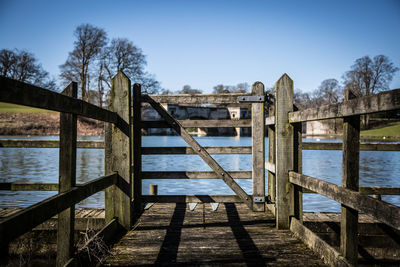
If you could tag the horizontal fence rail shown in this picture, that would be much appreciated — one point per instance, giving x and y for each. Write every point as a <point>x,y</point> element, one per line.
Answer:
<point>188,150</point>
<point>196,98</point>
<point>194,175</point>
<point>199,123</point>
<point>48,143</point>
<point>381,211</point>
<point>12,91</point>
<point>23,221</point>
<point>192,199</point>
<point>385,101</point>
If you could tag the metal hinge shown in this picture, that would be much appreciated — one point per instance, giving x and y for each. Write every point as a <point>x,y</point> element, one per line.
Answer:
<point>259,199</point>
<point>252,99</point>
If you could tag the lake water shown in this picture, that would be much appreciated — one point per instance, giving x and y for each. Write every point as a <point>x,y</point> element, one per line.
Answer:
<point>377,168</point>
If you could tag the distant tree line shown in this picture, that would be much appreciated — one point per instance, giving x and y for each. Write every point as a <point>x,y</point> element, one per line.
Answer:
<point>218,89</point>
<point>367,76</point>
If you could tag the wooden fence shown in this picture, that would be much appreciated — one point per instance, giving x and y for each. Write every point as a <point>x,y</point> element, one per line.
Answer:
<point>123,167</point>
<point>117,163</point>
<point>288,184</point>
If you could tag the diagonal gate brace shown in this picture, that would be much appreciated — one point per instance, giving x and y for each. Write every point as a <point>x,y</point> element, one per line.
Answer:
<point>200,151</point>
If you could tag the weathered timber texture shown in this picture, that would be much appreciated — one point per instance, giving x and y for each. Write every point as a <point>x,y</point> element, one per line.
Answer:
<point>136,152</point>
<point>12,91</point>
<point>199,123</point>
<point>258,150</point>
<point>23,221</point>
<point>270,165</point>
<point>338,146</point>
<point>201,152</point>
<point>385,101</point>
<point>350,180</point>
<point>170,234</point>
<point>296,194</point>
<point>197,99</point>
<point>47,143</point>
<point>194,175</point>
<point>191,199</point>
<point>328,253</point>
<point>67,179</point>
<point>118,156</point>
<point>284,148</point>
<point>382,211</point>
<point>189,150</point>
<point>270,120</point>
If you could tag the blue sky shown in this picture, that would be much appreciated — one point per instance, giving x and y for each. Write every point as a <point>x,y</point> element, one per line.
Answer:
<point>205,43</point>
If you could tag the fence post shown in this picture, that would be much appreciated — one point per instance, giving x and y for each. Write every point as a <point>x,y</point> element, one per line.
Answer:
<point>258,149</point>
<point>297,195</point>
<point>117,154</point>
<point>136,149</point>
<point>284,149</point>
<point>271,157</point>
<point>350,178</point>
<point>67,179</point>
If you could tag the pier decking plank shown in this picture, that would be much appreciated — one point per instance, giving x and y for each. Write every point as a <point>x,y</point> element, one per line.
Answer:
<point>232,235</point>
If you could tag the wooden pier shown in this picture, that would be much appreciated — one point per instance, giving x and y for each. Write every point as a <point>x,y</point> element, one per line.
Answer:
<point>264,228</point>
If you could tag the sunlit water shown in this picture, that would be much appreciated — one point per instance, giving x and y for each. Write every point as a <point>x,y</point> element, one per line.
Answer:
<point>377,168</point>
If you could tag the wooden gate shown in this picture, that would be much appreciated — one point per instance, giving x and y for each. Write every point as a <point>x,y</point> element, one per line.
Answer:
<point>256,201</point>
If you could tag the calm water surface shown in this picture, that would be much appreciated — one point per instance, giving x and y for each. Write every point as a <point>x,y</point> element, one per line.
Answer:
<point>377,168</point>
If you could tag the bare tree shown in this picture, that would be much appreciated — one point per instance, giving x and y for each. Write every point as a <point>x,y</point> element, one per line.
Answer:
<point>89,43</point>
<point>187,89</point>
<point>123,55</point>
<point>369,76</point>
<point>241,88</point>
<point>329,92</point>
<point>22,66</point>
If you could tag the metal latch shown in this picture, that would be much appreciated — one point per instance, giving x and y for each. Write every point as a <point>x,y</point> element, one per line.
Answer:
<point>259,199</point>
<point>252,99</point>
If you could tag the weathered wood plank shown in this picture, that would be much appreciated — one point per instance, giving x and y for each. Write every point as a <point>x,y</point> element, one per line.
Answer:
<point>118,156</point>
<point>385,101</point>
<point>271,158</point>
<point>12,91</point>
<point>192,199</point>
<point>197,98</point>
<point>48,143</point>
<point>258,148</point>
<point>67,179</point>
<point>270,167</point>
<point>338,146</point>
<point>313,241</point>
<point>382,211</point>
<point>193,175</point>
<point>369,190</point>
<point>379,190</point>
<point>26,219</point>
<point>284,148</point>
<point>199,123</point>
<point>26,186</point>
<point>136,152</point>
<point>202,152</point>
<point>270,120</point>
<point>350,180</point>
<point>189,150</point>
<point>296,194</point>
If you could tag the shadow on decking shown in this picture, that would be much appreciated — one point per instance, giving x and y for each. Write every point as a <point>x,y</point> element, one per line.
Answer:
<point>170,246</point>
